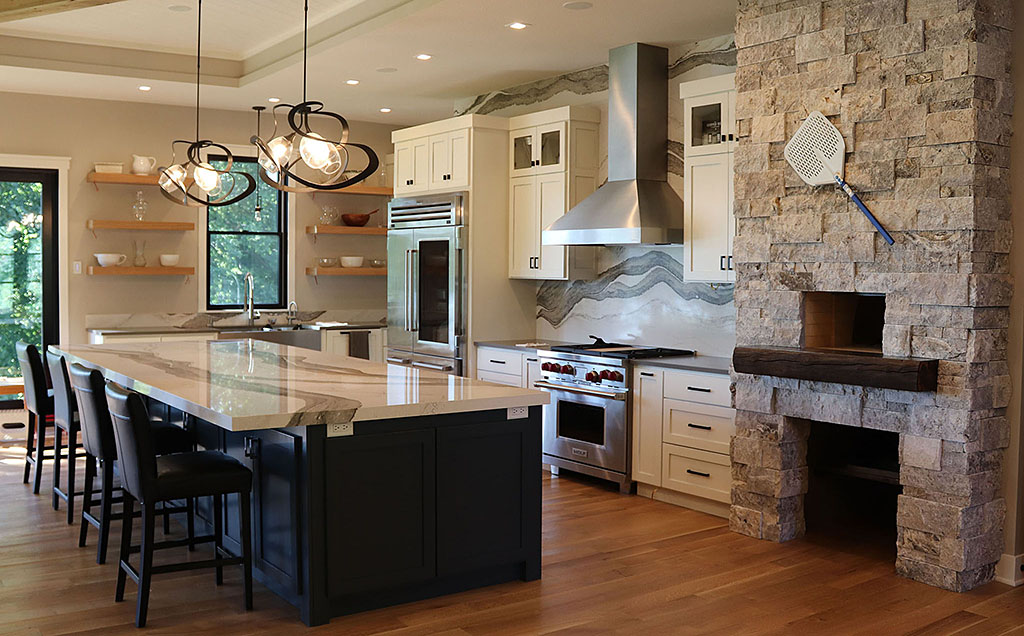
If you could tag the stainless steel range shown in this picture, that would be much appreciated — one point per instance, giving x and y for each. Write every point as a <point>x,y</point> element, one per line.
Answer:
<point>587,424</point>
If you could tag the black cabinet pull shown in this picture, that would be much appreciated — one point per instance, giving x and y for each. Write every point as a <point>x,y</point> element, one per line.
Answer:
<point>498,361</point>
<point>700,426</point>
<point>721,263</point>
<point>698,388</point>
<point>698,473</point>
<point>531,359</point>
<point>647,374</point>
<point>729,262</point>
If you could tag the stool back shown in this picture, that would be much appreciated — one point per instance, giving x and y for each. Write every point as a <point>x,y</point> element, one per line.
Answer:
<point>34,376</point>
<point>64,403</point>
<point>133,436</point>
<point>93,412</point>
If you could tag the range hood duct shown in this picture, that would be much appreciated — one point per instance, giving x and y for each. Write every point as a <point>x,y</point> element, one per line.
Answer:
<point>636,206</point>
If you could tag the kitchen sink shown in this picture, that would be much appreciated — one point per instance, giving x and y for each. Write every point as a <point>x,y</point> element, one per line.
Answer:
<point>293,335</point>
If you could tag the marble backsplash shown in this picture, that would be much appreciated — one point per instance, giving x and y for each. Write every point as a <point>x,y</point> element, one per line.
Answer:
<point>640,295</point>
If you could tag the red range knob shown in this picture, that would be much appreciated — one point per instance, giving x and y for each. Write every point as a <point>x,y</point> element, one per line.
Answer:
<point>546,366</point>
<point>593,377</point>
<point>605,374</point>
<point>616,376</point>
<point>568,369</point>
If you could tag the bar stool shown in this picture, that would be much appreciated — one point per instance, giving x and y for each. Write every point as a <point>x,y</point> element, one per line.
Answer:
<point>100,448</point>
<point>65,419</point>
<point>150,479</point>
<point>40,412</point>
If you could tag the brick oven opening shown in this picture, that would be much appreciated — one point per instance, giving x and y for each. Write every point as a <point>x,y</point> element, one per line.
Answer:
<point>853,486</point>
<point>843,321</point>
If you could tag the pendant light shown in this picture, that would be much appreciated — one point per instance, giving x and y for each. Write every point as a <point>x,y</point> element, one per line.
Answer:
<point>216,187</point>
<point>315,161</point>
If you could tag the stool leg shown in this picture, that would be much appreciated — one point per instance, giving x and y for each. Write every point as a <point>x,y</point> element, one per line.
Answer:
<point>58,441</point>
<point>245,527</point>
<point>90,475</point>
<point>126,543</point>
<point>167,518</point>
<point>218,526</point>
<point>37,479</point>
<point>30,440</point>
<point>145,562</point>
<point>190,521</point>
<point>72,456</point>
<point>106,495</point>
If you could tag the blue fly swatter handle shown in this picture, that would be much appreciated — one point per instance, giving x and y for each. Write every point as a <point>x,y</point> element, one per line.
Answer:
<point>863,208</point>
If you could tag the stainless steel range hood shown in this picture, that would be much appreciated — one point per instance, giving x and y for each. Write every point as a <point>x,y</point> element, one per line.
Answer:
<point>636,206</point>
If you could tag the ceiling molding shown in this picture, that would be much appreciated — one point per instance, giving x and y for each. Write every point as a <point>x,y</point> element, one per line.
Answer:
<point>11,10</point>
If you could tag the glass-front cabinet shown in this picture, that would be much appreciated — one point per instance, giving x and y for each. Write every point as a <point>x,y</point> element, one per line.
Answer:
<point>709,122</point>
<point>537,149</point>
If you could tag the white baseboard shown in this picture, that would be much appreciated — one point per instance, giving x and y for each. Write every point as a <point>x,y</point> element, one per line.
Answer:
<point>1008,569</point>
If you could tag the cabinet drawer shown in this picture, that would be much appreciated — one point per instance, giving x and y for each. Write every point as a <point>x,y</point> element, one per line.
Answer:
<point>500,361</point>
<point>698,425</point>
<point>706,388</point>
<point>499,378</point>
<point>696,472</point>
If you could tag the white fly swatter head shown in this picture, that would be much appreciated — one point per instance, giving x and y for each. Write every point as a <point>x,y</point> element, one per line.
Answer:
<point>816,151</point>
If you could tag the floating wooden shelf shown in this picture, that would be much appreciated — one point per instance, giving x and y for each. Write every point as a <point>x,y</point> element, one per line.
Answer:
<point>346,271</point>
<point>379,191</point>
<point>122,178</point>
<point>157,226</point>
<point>843,367</point>
<point>346,229</point>
<point>141,271</point>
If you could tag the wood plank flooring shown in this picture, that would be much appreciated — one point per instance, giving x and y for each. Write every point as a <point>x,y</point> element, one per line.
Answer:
<point>612,565</point>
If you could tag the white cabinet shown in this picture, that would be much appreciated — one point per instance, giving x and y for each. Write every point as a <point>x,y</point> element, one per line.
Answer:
<point>96,338</point>
<point>682,427</point>
<point>709,138</point>
<point>506,366</point>
<point>531,369</point>
<point>553,165</point>
<point>432,163</point>
<point>334,342</point>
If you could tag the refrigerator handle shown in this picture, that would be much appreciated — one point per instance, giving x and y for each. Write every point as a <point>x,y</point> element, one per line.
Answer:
<point>414,292</point>
<point>408,290</point>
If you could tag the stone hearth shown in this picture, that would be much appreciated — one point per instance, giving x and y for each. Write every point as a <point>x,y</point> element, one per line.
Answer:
<point>920,90</point>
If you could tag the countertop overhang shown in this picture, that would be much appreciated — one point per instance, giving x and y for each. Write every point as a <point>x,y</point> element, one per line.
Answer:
<point>249,385</point>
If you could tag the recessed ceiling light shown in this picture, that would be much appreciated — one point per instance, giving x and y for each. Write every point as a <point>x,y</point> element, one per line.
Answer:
<point>180,8</point>
<point>577,6</point>
<point>385,110</point>
<point>518,26</point>
<point>424,56</point>
<point>145,89</point>
<point>273,100</point>
<point>387,69</point>
<point>352,82</point>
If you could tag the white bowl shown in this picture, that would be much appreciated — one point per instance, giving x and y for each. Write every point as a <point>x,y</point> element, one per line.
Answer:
<point>351,261</point>
<point>169,260</point>
<point>109,260</point>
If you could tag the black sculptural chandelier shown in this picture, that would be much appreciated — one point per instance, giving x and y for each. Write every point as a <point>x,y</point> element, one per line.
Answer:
<point>313,162</point>
<point>217,187</point>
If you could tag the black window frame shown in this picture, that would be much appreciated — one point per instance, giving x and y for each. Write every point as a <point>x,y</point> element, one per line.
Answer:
<point>282,233</point>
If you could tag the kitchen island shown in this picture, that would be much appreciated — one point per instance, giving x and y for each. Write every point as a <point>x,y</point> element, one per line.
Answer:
<point>374,484</point>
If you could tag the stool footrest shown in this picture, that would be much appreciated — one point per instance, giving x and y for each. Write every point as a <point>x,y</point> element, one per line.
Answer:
<point>173,543</point>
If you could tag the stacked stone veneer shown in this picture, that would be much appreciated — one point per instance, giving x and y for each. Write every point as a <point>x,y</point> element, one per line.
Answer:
<point>921,91</point>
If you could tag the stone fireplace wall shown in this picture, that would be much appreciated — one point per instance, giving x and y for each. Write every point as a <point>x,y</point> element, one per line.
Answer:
<point>921,91</point>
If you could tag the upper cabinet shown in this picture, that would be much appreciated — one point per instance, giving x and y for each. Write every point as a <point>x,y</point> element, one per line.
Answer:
<point>709,138</point>
<point>434,157</point>
<point>554,157</point>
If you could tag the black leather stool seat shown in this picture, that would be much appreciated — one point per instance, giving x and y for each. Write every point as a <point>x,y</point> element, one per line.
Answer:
<point>200,474</point>
<point>170,438</point>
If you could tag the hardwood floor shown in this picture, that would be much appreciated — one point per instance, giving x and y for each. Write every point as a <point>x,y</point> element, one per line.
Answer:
<point>612,565</point>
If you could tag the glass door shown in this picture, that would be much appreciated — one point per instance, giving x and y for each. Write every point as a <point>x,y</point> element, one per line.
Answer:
<point>436,295</point>
<point>401,245</point>
<point>521,147</point>
<point>28,263</point>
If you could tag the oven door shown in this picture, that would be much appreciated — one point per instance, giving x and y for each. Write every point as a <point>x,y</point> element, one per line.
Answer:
<point>586,425</point>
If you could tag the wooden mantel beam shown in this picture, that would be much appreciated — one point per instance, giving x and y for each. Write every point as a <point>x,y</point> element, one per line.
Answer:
<point>11,10</point>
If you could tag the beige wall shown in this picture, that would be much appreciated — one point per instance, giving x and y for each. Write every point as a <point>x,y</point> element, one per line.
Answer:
<point>95,130</point>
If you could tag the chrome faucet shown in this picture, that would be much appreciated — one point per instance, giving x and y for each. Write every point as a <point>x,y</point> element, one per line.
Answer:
<point>293,312</point>
<point>250,299</point>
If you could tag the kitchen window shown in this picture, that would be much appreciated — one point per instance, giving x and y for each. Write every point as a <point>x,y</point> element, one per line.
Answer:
<point>243,238</point>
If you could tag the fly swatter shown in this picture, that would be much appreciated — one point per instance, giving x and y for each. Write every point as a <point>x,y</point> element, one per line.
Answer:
<point>817,152</point>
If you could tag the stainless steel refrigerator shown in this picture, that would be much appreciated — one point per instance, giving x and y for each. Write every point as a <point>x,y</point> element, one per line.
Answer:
<point>426,282</point>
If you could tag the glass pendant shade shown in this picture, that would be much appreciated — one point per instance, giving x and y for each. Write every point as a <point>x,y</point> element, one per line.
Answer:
<point>315,152</point>
<point>172,178</point>
<point>206,177</point>
<point>280,151</point>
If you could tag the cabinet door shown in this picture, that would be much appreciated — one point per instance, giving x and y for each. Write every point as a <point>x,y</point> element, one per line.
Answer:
<point>524,227</point>
<point>440,158</point>
<point>647,413</point>
<point>531,371</point>
<point>458,159</point>
<point>550,152</point>
<point>405,169</point>
<point>550,207</point>
<point>335,343</point>
<point>421,164</point>
<point>523,157</point>
<point>499,378</point>
<point>706,124</point>
<point>276,458</point>
<point>707,217</point>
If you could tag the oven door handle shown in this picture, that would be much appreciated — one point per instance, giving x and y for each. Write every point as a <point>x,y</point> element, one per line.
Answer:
<point>582,391</point>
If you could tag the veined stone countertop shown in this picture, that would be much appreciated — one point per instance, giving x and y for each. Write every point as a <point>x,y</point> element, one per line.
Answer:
<point>244,385</point>
<point>523,344</point>
<point>705,364</point>
<point>143,331</point>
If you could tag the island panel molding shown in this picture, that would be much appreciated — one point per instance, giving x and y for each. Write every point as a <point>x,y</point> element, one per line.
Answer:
<point>926,116</point>
<point>842,367</point>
